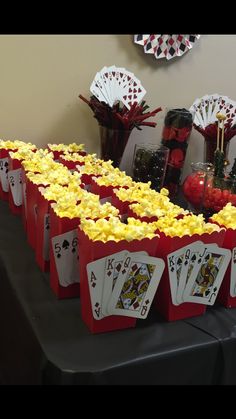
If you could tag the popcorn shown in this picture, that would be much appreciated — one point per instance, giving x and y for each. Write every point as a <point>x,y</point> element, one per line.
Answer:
<point>157,208</point>
<point>188,225</point>
<point>93,166</point>
<point>226,217</point>
<point>73,147</point>
<point>113,229</point>
<point>60,175</point>
<point>16,144</point>
<point>24,153</point>
<point>115,178</point>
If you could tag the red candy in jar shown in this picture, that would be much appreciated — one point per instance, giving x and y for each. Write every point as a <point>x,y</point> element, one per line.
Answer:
<point>194,184</point>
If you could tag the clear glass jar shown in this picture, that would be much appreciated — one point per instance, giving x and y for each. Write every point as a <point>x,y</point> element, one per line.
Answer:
<point>194,184</point>
<point>149,164</point>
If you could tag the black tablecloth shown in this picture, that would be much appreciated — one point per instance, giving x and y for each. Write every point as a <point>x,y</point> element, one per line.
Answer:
<point>44,341</point>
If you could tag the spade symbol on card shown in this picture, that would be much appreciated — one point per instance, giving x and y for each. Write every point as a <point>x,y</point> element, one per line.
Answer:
<point>207,257</point>
<point>193,258</point>
<point>65,244</point>
<point>172,269</point>
<point>73,250</point>
<point>207,292</point>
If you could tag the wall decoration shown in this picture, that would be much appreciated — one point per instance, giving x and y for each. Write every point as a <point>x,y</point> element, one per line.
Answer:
<point>166,46</point>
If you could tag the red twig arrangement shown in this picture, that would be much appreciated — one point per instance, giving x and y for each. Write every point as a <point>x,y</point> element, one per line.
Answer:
<point>211,131</point>
<point>119,117</point>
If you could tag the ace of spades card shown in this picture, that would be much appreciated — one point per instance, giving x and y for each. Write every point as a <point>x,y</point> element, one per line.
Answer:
<point>65,251</point>
<point>4,174</point>
<point>233,274</point>
<point>207,276</point>
<point>15,182</point>
<point>136,286</point>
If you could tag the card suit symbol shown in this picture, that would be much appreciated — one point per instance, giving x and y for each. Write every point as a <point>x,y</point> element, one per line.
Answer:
<point>193,258</point>
<point>147,302</point>
<point>47,227</point>
<point>123,272</point>
<point>136,305</point>
<point>97,305</point>
<point>139,90</point>
<point>130,97</point>
<point>207,257</point>
<point>135,90</point>
<point>135,84</point>
<point>12,184</point>
<point>6,164</point>
<point>130,90</point>
<point>93,284</point>
<point>125,97</point>
<point>128,78</point>
<point>199,260</point>
<point>207,292</point>
<point>134,267</point>
<point>73,250</point>
<point>65,244</point>
<point>113,73</point>
<point>231,106</point>
<point>58,255</point>
<point>135,96</point>
<point>186,262</point>
<point>172,269</point>
<point>118,267</point>
<point>1,168</point>
<point>109,273</point>
<point>179,261</point>
<point>215,289</point>
<point>20,182</point>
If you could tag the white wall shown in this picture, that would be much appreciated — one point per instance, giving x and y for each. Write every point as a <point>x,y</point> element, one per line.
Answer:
<point>41,77</point>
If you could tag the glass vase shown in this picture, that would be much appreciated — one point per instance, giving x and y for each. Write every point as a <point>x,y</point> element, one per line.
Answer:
<point>113,143</point>
<point>149,164</point>
<point>194,184</point>
<point>217,193</point>
<point>175,135</point>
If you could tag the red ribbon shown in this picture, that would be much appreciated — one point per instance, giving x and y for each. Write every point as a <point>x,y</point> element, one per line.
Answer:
<point>178,134</point>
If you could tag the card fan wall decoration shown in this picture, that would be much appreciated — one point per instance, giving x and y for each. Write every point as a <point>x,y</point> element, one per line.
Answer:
<point>166,46</point>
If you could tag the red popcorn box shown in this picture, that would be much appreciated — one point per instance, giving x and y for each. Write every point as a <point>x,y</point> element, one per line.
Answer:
<point>224,296</point>
<point>87,180</point>
<point>59,226</point>
<point>4,167</point>
<point>24,202</point>
<point>56,153</point>
<point>162,299</point>
<point>122,206</point>
<point>43,232</point>
<point>103,191</point>
<point>146,219</point>
<point>71,165</point>
<point>90,251</point>
<point>31,205</point>
<point>15,166</point>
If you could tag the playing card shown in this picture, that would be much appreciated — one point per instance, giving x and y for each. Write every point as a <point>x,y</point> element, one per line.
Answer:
<point>113,265</point>
<point>189,255</point>
<point>15,182</point>
<point>136,286</point>
<point>65,251</point>
<point>207,275</point>
<point>112,270</point>
<point>4,174</point>
<point>96,272</point>
<point>113,84</point>
<point>233,274</point>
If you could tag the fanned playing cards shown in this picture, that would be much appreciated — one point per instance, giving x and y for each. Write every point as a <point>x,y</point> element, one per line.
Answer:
<point>113,84</point>
<point>206,108</point>
<point>166,46</point>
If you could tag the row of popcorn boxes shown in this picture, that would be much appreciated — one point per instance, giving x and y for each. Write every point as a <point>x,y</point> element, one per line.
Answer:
<point>51,235</point>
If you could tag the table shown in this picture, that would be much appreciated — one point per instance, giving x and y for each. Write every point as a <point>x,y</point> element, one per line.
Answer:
<point>44,341</point>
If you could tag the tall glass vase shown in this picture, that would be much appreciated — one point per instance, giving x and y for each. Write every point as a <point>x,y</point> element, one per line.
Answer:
<point>113,143</point>
<point>210,145</point>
